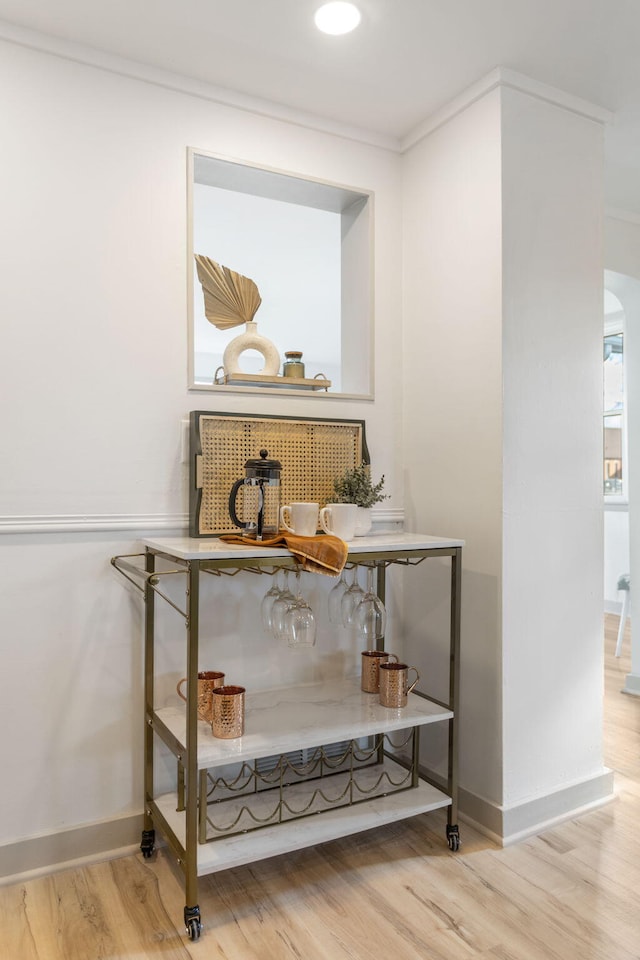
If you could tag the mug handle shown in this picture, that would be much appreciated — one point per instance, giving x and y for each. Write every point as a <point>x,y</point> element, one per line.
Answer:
<point>409,689</point>
<point>324,513</point>
<point>393,658</point>
<point>283,522</point>
<point>181,694</point>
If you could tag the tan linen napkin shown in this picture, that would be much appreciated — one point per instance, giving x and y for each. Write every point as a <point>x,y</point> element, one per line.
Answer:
<point>322,554</point>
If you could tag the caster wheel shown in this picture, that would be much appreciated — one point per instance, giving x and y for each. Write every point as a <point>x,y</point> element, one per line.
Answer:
<point>453,838</point>
<point>192,922</point>
<point>148,843</point>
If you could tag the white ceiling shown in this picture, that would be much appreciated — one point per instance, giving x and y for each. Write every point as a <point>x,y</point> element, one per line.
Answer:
<point>407,59</point>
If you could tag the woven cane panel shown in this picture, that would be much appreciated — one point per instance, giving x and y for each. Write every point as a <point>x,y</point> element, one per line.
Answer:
<point>312,454</point>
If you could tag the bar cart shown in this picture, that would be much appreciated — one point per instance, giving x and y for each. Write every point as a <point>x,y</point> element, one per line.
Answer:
<point>233,803</point>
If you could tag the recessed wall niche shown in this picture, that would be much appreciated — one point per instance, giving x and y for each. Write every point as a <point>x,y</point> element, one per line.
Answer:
<point>307,244</point>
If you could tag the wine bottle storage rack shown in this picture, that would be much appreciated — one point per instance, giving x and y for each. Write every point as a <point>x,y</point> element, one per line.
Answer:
<point>249,798</point>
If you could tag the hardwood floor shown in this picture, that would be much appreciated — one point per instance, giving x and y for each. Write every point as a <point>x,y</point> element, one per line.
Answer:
<point>399,892</point>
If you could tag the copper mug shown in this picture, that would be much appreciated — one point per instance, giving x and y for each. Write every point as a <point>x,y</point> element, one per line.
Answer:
<point>208,680</point>
<point>371,660</point>
<point>394,684</point>
<point>227,718</point>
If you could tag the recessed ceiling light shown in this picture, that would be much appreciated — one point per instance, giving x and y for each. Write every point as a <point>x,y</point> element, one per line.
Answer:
<point>337,17</point>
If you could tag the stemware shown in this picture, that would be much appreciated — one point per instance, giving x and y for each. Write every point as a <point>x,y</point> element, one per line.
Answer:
<point>299,621</point>
<point>270,597</point>
<point>280,606</point>
<point>335,600</point>
<point>370,616</point>
<point>352,597</point>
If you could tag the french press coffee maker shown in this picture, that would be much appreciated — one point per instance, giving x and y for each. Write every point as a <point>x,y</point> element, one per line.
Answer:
<point>260,499</point>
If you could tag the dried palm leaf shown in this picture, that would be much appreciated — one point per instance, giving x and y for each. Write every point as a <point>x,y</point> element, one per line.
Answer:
<point>229,298</point>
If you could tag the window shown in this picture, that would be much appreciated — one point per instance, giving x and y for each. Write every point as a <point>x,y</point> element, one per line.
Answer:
<point>613,416</point>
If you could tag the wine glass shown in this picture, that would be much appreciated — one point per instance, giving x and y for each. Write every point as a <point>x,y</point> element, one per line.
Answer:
<point>280,607</point>
<point>370,616</point>
<point>299,621</point>
<point>335,600</point>
<point>270,597</point>
<point>352,597</point>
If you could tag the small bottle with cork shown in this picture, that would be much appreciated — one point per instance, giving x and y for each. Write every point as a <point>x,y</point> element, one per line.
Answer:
<point>293,365</point>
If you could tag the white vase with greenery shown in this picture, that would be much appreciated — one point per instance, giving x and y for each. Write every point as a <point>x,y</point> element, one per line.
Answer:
<point>355,486</point>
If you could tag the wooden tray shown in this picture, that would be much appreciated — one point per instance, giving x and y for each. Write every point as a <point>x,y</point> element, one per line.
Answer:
<point>277,382</point>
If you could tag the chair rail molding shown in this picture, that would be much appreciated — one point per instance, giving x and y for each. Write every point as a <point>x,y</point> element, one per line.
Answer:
<point>131,522</point>
<point>92,523</point>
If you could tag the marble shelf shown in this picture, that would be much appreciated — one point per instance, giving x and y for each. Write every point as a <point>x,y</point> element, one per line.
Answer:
<point>212,548</point>
<point>299,717</point>
<point>295,834</point>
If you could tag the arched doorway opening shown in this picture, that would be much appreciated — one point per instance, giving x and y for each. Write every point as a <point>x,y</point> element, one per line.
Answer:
<point>626,291</point>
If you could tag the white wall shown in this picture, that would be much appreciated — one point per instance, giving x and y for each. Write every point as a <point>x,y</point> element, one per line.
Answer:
<point>453,407</point>
<point>616,554</point>
<point>621,248</point>
<point>503,266</point>
<point>552,377</point>
<point>93,377</point>
<point>93,374</point>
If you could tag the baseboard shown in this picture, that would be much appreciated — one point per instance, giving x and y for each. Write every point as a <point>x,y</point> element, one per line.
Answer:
<point>466,819</point>
<point>507,825</point>
<point>35,856</point>
<point>482,814</point>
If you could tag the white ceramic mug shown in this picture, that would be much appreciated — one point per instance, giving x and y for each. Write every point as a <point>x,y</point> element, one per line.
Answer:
<point>339,519</point>
<point>303,518</point>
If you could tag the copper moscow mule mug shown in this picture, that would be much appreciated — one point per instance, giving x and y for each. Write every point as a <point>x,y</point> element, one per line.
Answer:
<point>207,681</point>
<point>371,660</point>
<point>394,684</point>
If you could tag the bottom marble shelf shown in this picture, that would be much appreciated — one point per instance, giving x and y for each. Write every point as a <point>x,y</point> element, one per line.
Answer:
<point>329,824</point>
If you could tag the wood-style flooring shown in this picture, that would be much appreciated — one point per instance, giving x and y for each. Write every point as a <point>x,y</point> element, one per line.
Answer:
<point>573,892</point>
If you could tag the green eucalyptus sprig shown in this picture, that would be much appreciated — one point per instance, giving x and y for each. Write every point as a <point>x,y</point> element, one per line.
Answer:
<point>355,486</point>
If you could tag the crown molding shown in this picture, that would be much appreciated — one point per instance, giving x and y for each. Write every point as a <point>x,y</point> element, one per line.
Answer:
<point>178,83</point>
<point>504,77</point>
<point>543,91</point>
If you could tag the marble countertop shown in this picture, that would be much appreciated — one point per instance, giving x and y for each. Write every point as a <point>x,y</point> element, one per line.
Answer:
<point>211,548</point>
